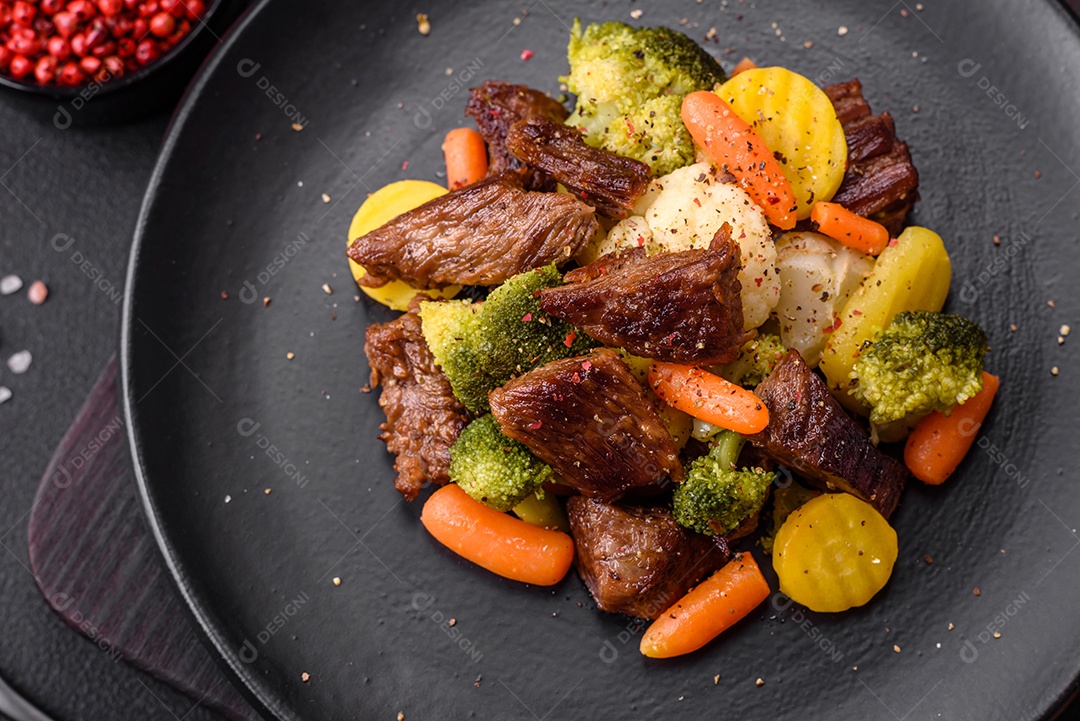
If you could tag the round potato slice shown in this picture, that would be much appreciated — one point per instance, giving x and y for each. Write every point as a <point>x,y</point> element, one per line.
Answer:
<point>384,205</point>
<point>797,121</point>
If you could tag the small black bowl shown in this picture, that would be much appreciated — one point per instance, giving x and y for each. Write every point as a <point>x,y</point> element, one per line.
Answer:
<point>129,97</point>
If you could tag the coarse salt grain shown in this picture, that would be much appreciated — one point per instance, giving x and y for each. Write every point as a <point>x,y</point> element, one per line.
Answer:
<point>20,362</point>
<point>636,14</point>
<point>842,30</point>
<point>5,394</point>
<point>9,284</point>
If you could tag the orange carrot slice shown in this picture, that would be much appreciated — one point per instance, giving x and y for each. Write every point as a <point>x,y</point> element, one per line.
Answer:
<point>744,64</point>
<point>466,157</point>
<point>709,609</point>
<point>938,444</point>
<point>500,543</point>
<point>735,147</point>
<point>708,397</point>
<point>854,231</point>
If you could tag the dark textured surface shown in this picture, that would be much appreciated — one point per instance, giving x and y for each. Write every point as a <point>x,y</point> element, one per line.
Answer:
<point>379,644</point>
<point>99,569</point>
<point>87,185</point>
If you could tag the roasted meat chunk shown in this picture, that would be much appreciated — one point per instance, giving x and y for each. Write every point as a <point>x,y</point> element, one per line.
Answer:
<point>423,419</point>
<point>880,182</point>
<point>497,105</point>
<point>608,182</point>
<point>591,421</point>
<point>680,307</point>
<point>481,234</point>
<point>636,559</point>
<point>810,433</point>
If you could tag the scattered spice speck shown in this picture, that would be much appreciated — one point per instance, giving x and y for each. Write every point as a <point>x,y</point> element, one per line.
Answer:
<point>1038,174</point>
<point>290,355</point>
<point>977,592</point>
<point>267,491</point>
<point>951,627</point>
<point>1065,330</point>
<point>808,44</point>
<point>38,292</point>
<point>297,127</point>
<point>325,198</point>
<point>527,55</point>
<point>305,676</point>
<point>9,284</point>
<point>1013,327</point>
<point>423,24</point>
<point>327,289</point>
<point>997,634</point>
<point>452,622</point>
<point>20,362</point>
<point>716,679</point>
<point>400,716</point>
<point>760,682</point>
<point>928,559</point>
<point>842,30</point>
<point>266,302</point>
<point>895,648</point>
<point>478,681</point>
<point>997,240</point>
<point>1054,371</point>
<point>337,580</point>
<point>1050,303</point>
<point>224,295</point>
<point>636,14</point>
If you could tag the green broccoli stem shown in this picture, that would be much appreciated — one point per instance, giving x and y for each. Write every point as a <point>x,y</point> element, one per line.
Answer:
<point>729,445</point>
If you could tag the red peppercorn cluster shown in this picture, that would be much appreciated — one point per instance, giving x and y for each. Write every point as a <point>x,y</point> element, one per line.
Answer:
<point>54,42</point>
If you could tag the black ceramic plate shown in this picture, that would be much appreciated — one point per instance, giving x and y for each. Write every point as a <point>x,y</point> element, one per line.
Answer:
<point>987,97</point>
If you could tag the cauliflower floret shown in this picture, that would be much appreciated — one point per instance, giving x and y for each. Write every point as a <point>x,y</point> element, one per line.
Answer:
<point>683,210</point>
<point>817,276</point>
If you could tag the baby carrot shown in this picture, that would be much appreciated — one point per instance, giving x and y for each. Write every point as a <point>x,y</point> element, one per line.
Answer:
<point>500,543</point>
<point>854,231</point>
<point>734,146</point>
<point>708,397</point>
<point>744,64</point>
<point>709,609</point>
<point>938,444</point>
<point>466,157</point>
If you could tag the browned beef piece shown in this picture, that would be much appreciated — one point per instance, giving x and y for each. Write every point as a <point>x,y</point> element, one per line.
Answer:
<point>423,419</point>
<point>810,433</point>
<point>608,182</point>
<point>679,307</point>
<point>591,421</point>
<point>636,559</point>
<point>481,234</point>
<point>880,181</point>
<point>497,105</point>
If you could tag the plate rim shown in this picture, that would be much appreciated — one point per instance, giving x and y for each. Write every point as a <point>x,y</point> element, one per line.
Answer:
<point>220,651</point>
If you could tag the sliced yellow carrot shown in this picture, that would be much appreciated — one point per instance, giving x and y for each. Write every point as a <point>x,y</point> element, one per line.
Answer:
<point>708,397</point>
<point>496,541</point>
<point>713,606</point>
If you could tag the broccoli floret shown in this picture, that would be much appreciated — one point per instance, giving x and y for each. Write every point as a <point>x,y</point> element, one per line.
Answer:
<point>480,346</point>
<point>716,498</point>
<point>494,469</point>
<point>922,362</point>
<point>755,362</point>
<point>630,83</point>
